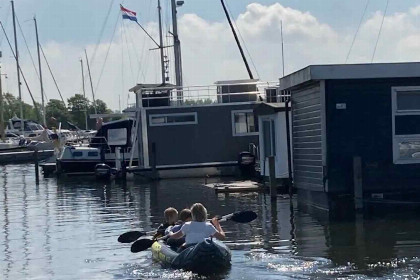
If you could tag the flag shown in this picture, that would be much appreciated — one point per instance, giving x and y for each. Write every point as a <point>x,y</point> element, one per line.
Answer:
<point>127,14</point>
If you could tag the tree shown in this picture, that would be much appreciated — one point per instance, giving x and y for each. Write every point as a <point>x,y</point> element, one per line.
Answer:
<point>12,108</point>
<point>77,106</point>
<point>56,112</point>
<point>101,108</point>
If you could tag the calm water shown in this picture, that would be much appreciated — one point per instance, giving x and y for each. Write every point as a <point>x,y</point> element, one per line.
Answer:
<point>69,230</point>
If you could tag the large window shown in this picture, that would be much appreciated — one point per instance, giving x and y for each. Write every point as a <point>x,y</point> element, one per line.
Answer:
<point>406,124</point>
<point>243,123</point>
<point>173,119</point>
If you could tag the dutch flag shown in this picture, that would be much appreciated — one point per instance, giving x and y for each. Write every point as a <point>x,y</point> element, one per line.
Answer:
<point>127,14</point>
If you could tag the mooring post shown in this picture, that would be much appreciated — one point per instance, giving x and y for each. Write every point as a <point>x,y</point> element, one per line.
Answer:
<point>36,166</point>
<point>272,174</point>
<point>357,181</point>
<point>154,171</point>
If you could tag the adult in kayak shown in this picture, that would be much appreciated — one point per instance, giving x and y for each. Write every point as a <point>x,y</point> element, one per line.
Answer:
<point>199,229</point>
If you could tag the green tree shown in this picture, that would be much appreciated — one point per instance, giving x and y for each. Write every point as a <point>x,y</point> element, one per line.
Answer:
<point>12,108</point>
<point>101,108</point>
<point>77,105</point>
<point>56,112</point>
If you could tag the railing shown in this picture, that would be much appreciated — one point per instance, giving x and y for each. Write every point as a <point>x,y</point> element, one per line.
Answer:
<point>206,95</point>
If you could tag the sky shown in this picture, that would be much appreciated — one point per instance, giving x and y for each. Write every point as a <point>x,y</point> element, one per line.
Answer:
<point>314,32</point>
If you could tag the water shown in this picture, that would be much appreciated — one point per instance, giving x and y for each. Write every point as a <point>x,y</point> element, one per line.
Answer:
<point>69,230</point>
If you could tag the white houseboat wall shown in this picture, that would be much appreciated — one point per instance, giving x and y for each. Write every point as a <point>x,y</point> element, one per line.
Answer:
<point>356,134</point>
<point>272,123</point>
<point>196,131</point>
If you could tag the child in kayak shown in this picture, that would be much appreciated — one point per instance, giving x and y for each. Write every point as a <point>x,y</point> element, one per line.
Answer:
<point>171,217</point>
<point>199,229</point>
<point>184,216</point>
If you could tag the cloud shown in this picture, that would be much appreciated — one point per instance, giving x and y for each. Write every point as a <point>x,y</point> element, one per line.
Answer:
<point>209,51</point>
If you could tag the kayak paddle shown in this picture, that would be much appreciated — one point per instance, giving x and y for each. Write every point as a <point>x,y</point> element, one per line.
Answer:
<point>238,217</point>
<point>131,236</point>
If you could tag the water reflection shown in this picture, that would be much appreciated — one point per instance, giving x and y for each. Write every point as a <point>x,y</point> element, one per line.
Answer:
<point>67,229</point>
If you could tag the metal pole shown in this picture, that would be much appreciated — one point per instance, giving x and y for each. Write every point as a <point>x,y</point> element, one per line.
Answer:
<point>91,84</point>
<point>282,46</point>
<point>84,93</point>
<point>17,68</point>
<point>289,150</point>
<point>237,41</point>
<point>40,76</point>
<point>162,63</point>
<point>3,136</point>
<point>177,47</point>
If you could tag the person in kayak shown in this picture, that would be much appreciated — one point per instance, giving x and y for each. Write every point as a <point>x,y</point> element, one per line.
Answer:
<point>171,217</point>
<point>184,216</point>
<point>199,229</point>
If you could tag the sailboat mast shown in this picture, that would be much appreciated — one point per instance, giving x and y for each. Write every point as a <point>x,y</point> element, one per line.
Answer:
<point>162,58</point>
<point>40,76</point>
<point>2,134</point>
<point>18,68</point>
<point>237,41</point>
<point>177,46</point>
<point>91,84</point>
<point>84,93</point>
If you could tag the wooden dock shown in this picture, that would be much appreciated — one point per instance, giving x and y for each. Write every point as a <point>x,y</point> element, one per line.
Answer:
<point>24,157</point>
<point>237,186</point>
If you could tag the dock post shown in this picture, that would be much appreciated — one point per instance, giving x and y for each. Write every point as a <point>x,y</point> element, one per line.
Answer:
<point>357,181</point>
<point>272,174</point>
<point>154,170</point>
<point>36,166</point>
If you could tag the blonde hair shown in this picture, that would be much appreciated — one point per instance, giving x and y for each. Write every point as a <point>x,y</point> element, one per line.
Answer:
<point>171,215</point>
<point>198,212</point>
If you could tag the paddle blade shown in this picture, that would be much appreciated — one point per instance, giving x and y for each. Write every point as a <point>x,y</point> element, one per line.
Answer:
<point>141,245</point>
<point>244,217</point>
<point>130,236</point>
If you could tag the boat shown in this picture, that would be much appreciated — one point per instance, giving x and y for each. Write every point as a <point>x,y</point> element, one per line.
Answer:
<point>30,128</point>
<point>208,257</point>
<point>112,145</point>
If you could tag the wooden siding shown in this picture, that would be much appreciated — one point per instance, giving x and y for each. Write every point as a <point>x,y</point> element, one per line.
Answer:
<point>307,138</point>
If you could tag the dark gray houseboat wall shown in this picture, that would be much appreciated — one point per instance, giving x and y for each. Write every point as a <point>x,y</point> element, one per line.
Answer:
<point>344,111</point>
<point>364,129</point>
<point>210,140</point>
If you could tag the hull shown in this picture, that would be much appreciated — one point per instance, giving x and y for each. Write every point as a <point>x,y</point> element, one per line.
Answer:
<point>208,257</point>
<point>83,166</point>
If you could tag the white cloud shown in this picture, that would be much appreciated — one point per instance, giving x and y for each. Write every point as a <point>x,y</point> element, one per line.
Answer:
<point>210,52</point>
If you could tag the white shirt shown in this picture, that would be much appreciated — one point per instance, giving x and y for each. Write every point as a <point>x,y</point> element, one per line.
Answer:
<point>196,232</point>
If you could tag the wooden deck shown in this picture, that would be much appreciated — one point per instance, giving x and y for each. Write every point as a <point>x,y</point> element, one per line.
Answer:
<point>236,187</point>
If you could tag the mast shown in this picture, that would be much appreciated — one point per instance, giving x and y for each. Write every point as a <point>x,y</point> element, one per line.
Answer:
<point>162,58</point>
<point>84,93</point>
<point>91,85</point>
<point>40,76</point>
<point>17,68</point>
<point>177,46</point>
<point>282,46</point>
<point>237,41</point>
<point>2,134</point>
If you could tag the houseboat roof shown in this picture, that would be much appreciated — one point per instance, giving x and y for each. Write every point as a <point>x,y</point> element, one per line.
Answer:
<point>143,86</point>
<point>269,108</point>
<point>237,82</point>
<point>351,71</point>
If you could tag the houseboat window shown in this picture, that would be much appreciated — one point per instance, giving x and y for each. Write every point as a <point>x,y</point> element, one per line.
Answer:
<point>243,123</point>
<point>406,125</point>
<point>173,119</point>
<point>77,154</point>
<point>93,154</point>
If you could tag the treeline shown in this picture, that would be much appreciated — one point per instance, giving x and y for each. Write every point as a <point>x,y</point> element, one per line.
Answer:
<point>56,111</point>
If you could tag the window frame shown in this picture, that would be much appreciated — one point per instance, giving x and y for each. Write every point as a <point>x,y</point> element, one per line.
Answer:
<point>233,112</point>
<point>396,139</point>
<point>173,115</point>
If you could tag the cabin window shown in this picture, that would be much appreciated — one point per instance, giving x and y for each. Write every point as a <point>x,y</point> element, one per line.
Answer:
<point>77,154</point>
<point>93,154</point>
<point>406,124</point>
<point>173,119</point>
<point>243,123</point>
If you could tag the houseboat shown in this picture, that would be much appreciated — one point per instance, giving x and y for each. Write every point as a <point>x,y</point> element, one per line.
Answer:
<point>197,131</point>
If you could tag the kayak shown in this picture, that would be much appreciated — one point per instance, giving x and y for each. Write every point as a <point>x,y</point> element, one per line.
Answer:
<point>208,257</point>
